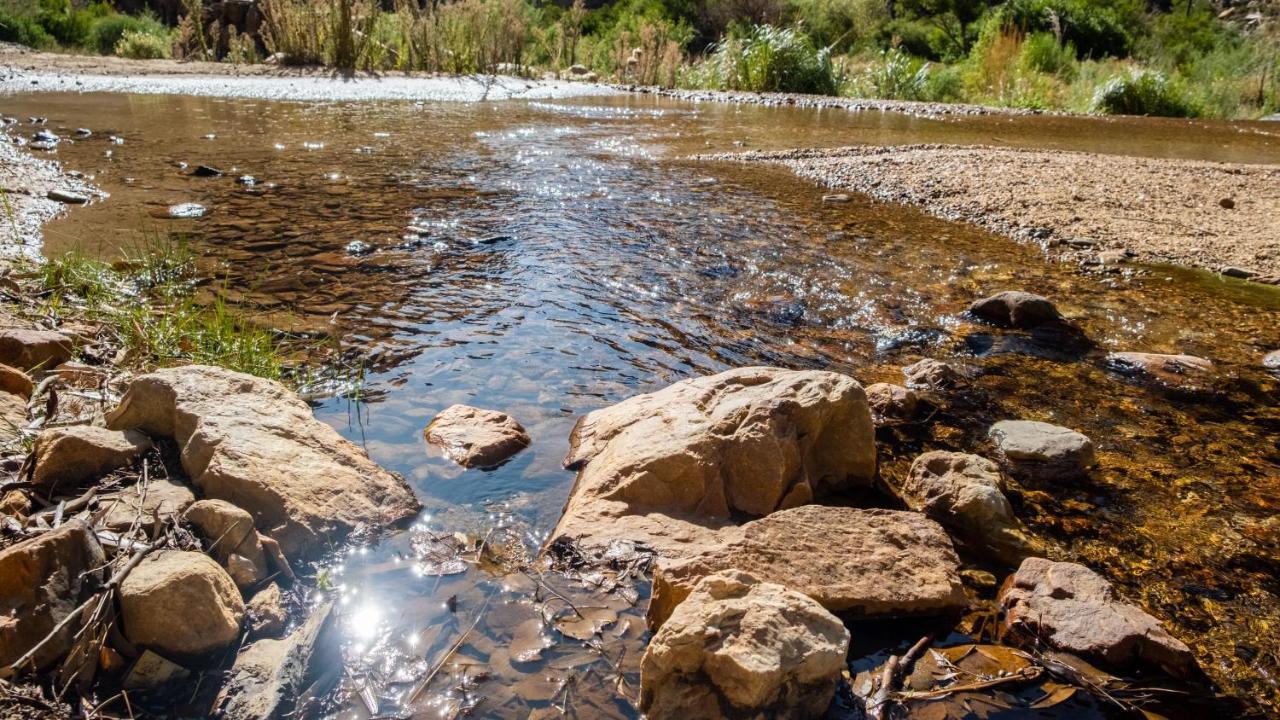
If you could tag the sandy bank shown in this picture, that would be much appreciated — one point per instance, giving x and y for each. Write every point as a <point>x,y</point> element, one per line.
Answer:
<point>1218,216</point>
<point>25,184</point>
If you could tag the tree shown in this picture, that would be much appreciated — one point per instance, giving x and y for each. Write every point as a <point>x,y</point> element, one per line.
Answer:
<point>952,17</point>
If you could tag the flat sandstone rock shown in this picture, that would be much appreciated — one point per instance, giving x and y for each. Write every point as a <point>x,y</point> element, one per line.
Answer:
<point>473,437</point>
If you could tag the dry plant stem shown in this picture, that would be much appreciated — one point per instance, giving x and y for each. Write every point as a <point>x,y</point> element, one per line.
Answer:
<point>1026,674</point>
<point>417,689</point>
<point>537,577</point>
<point>878,708</point>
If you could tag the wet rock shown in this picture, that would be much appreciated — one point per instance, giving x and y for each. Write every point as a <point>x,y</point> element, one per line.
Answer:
<point>359,247</point>
<point>1042,450</point>
<point>892,402</point>
<point>255,444</point>
<point>158,501</point>
<point>181,605</point>
<point>68,197</point>
<point>749,441</point>
<point>1074,609</point>
<point>247,180</point>
<point>230,537</point>
<point>206,171</point>
<point>16,382</point>
<point>1185,373</point>
<point>186,210</point>
<point>30,349</point>
<point>1238,272</point>
<point>741,647</point>
<point>1016,309</point>
<point>1272,360</point>
<point>150,671</point>
<point>932,374</point>
<point>963,492</point>
<point>68,456</point>
<point>42,580</point>
<point>45,136</point>
<point>1227,203</point>
<point>865,563</point>
<point>267,616</point>
<point>270,675</point>
<point>479,438</point>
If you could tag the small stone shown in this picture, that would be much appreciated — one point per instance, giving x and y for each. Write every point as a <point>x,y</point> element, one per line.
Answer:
<point>13,380</point>
<point>31,349</point>
<point>1016,309</point>
<point>68,456</point>
<point>206,171</point>
<point>889,401</point>
<point>45,136</point>
<point>267,616</point>
<point>1238,272</point>
<point>835,199</point>
<point>150,670</point>
<point>232,539</point>
<point>181,605</point>
<point>1185,373</point>
<point>186,210</point>
<point>159,501</point>
<point>1272,360</point>
<point>359,247</point>
<point>932,374</point>
<point>1227,203</point>
<point>247,180</point>
<point>68,197</point>
<point>1043,450</point>
<point>479,438</point>
<point>270,675</point>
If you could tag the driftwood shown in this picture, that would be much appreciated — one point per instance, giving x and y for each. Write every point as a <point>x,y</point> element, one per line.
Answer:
<point>882,700</point>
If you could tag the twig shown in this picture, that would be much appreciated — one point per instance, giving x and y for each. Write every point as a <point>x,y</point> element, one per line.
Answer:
<point>1026,674</point>
<point>878,708</point>
<point>417,689</point>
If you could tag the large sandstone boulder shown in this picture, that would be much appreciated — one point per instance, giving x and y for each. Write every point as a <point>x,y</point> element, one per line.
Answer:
<point>479,438</point>
<point>748,441</point>
<point>1074,609</point>
<point>1182,373</point>
<point>158,501</point>
<point>1042,450</point>
<point>1016,309</point>
<point>68,456</point>
<point>865,563</point>
<point>29,349</point>
<point>42,580</point>
<point>181,605</point>
<point>741,647</point>
<point>255,444</point>
<point>963,492</point>
<point>231,537</point>
<point>270,675</point>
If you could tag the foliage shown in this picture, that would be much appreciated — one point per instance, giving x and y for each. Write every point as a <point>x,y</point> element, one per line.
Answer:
<point>1142,92</point>
<point>895,75</point>
<point>1043,53</point>
<point>1096,28</point>
<point>107,31</point>
<point>144,46</point>
<point>771,59</point>
<point>24,30</point>
<point>842,25</point>
<point>952,20</point>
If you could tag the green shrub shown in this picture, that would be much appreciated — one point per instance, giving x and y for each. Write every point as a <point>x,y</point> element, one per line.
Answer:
<point>107,31</point>
<point>842,25</point>
<point>1043,53</point>
<point>24,30</point>
<point>1096,28</point>
<point>70,25</point>
<point>895,75</point>
<point>1142,92</point>
<point>144,46</point>
<point>771,59</point>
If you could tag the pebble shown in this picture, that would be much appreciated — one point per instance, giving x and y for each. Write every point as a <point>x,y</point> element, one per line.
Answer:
<point>838,198</point>
<point>206,171</point>
<point>66,196</point>
<point>1227,203</point>
<point>187,210</point>
<point>359,247</point>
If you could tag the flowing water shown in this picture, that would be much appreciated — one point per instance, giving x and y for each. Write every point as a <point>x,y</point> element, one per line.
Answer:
<point>547,258</point>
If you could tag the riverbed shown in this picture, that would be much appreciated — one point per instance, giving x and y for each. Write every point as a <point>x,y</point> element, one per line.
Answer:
<point>547,257</point>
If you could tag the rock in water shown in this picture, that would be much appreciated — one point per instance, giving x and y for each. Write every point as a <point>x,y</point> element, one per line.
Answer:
<point>963,492</point>
<point>1016,309</point>
<point>892,402</point>
<point>41,581</point>
<point>181,605</point>
<point>267,616</point>
<point>1184,373</point>
<point>932,374</point>
<point>1042,450</point>
<point>255,444</point>
<point>479,438</point>
<point>867,563</point>
<point>741,647</point>
<point>1076,610</point>
<point>270,675</point>
<point>30,349</point>
<point>231,538</point>
<point>1272,360</point>
<point>748,441</point>
<point>68,456</point>
<point>67,197</point>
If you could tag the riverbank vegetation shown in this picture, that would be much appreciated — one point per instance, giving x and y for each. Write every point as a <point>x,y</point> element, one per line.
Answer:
<point>1194,58</point>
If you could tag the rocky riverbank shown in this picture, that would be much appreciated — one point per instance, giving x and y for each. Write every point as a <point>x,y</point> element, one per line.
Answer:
<point>1098,210</point>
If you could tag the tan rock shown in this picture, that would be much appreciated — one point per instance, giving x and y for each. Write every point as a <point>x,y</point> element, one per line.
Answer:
<point>13,417</point>
<point>181,605</point>
<point>1042,450</point>
<point>15,503</point>
<point>1074,609</point>
<point>932,374</point>
<point>13,380</point>
<point>267,616</point>
<point>892,402</point>
<point>1016,309</point>
<point>68,456</point>
<point>741,647</point>
<point>29,349</point>
<point>479,438</point>
<point>746,441</point>
<point>255,444</point>
<point>270,675</point>
<point>42,580</point>
<point>230,536</point>
<point>865,563</point>
<point>159,501</point>
<point>963,492</point>
<point>1186,373</point>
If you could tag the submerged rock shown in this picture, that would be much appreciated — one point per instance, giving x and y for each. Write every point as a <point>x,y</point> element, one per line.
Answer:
<point>1016,309</point>
<point>1042,450</point>
<point>963,492</point>
<point>1272,360</point>
<point>866,563</point>
<point>479,438</point>
<point>42,580</point>
<point>750,441</point>
<point>1186,373</point>
<point>255,444</point>
<point>741,647</point>
<point>186,210</point>
<point>892,402</point>
<point>158,501</point>
<point>181,605</point>
<point>68,456</point>
<point>932,374</point>
<point>270,675</point>
<point>232,539</point>
<point>30,349</point>
<point>1074,609</point>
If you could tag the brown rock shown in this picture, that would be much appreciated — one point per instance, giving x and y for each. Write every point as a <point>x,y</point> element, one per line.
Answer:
<point>159,501</point>
<point>866,563</point>
<point>889,401</point>
<point>932,374</point>
<point>13,380</point>
<point>739,647</point>
<point>1016,309</point>
<point>15,503</point>
<point>42,580</point>
<point>1042,450</point>
<point>267,616</point>
<point>1074,609</point>
<point>181,605</point>
<point>963,492</point>
<point>747,441</point>
<point>68,456</point>
<point>270,675</point>
<point>255,444</point>
<point>231,537</point>
<point>1186,373</point>
<point>30,349</point>
<point>13,417</point>
<point>479,438</point>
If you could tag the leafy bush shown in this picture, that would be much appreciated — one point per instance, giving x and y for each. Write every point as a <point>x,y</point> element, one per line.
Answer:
<point>1142,92</point>
<point>144,45</point>
<point>842,25</point>
<point>1043,53</point>
<point>24,30</point>
<point>107,31</point>
<point>895,75</point>
<point>1096,28</point>
<point>772,59</point>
